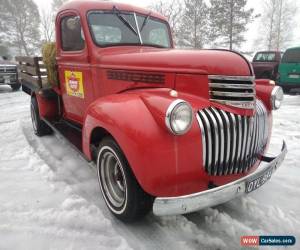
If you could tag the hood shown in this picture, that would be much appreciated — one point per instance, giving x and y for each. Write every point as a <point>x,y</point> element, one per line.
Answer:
<point>7,63</point>
<point>212,62</point>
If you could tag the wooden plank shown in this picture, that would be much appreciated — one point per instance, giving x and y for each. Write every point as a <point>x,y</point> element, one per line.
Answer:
<point>26,59</point>
<point>30,79</point>
<point>28,69</point>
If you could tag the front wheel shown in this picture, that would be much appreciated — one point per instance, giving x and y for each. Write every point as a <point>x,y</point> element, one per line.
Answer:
<point>16,86</point>
<point>122,194</point>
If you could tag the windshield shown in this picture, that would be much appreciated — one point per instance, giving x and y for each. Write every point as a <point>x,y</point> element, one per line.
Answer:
<point>291,56</point>
<point>265,57</point>
<point>119,28</point>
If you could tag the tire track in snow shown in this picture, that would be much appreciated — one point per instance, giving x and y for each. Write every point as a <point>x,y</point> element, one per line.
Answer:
<point>83,181</point>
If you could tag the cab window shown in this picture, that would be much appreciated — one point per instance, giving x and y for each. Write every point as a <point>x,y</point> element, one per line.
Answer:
<point>72,37</point>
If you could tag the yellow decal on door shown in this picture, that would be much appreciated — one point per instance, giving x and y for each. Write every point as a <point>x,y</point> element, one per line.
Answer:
<point>74,84</point>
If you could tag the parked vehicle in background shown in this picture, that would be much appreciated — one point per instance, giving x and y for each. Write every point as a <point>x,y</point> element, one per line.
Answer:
<point>9,73</point>
<point>289,70</point>
<point>170,130</point>
<point>266,63</point>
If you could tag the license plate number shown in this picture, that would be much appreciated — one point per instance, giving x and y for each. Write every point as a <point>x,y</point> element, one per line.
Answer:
<point>259,181</point>
<point>294,76</point>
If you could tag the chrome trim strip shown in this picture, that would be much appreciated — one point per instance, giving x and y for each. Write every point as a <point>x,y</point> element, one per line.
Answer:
<point>237,104</point>
<point>234,78</point>
<point>208,198</point>
<point>231,86</point>
<point>231,94</point>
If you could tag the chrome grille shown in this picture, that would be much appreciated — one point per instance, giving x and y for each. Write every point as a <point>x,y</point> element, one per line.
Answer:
<point>8,69</point>
<point>237,91</point>
<point>232,143</point>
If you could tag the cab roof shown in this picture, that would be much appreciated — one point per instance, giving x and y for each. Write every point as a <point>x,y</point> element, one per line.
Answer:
<point>294,48</point>
<point>83,6</point>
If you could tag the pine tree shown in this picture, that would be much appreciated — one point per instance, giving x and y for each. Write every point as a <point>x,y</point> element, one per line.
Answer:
<point>194,25</point>
<point>229,20</point>
<point>20,21</point>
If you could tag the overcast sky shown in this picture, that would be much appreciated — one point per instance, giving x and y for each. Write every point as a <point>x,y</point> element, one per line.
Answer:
<point>252,28</point>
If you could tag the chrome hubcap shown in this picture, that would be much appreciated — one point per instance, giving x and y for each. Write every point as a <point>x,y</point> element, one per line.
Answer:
<point>112,179</point>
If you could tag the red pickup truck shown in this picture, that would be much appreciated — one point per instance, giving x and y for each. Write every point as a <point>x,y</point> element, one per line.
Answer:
<point>172,131</point>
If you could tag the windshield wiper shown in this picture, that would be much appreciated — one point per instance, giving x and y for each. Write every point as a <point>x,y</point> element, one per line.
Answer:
<point>117,12</point>
<point>145,21</point>
<point>154,45</point>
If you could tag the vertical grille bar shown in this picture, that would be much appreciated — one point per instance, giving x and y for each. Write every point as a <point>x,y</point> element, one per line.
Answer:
<point>232,143</point>
<point>208,139</point>
<point>215,139</point>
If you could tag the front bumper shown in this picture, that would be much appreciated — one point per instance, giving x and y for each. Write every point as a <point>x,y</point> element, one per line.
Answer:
<point>212,197</point>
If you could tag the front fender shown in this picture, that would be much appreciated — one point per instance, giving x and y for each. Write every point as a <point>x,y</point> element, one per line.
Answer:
<point>163,164</point>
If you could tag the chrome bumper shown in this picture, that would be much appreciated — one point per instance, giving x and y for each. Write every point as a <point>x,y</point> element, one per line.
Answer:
<point>212,197</point>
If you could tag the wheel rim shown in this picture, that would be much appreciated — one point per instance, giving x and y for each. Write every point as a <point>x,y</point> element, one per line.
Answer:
<point>33,118</point>
<point>112,179</point>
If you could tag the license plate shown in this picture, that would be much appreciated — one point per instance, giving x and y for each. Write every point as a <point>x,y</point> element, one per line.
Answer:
<point>294,76</point>
<point>259,181</point>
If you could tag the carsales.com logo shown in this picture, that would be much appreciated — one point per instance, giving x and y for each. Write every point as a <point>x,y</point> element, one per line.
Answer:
<point>252,241</point>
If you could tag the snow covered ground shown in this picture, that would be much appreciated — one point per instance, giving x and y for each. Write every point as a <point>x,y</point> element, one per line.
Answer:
<point>49,196</point>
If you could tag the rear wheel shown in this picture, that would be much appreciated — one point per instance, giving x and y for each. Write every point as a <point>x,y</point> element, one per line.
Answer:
<point>122,194</point>
<point>15,87</point>
<point>40,128</point>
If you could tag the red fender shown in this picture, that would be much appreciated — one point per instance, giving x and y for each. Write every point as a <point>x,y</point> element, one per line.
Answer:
<point>164,164</point>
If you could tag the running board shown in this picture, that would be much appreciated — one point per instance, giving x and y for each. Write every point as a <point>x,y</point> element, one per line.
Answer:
<point>69,132</point>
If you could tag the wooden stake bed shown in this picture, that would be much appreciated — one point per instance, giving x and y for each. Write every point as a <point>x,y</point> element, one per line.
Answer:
<point>33,72</point>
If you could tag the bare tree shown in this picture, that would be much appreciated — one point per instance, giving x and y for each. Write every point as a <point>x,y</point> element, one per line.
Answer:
<point>48,20</point>
<point>20,20</point>
<point>277,24</point>
<point>173,10</point>
<point>56,4</point>
<point>47,25</point>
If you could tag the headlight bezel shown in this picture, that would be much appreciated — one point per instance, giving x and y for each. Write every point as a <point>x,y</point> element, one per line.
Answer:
<point>173,107</point>
<point>277,97</point>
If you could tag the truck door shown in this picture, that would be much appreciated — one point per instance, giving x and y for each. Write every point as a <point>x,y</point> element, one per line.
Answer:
<point>73,66</point>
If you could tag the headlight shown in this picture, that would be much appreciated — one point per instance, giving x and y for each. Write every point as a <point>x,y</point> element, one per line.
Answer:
<point>276,97</point>
<point>179,117</point>
<point>272,82</point>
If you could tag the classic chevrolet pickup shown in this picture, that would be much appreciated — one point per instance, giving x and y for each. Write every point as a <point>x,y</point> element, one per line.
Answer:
<point>172,131</point>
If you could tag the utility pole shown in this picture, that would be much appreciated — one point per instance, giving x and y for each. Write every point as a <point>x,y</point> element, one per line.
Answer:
<point>279,26</point>
<point>231,24</point>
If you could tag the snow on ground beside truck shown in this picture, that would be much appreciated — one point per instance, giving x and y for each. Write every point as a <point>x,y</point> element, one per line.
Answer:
<point>49,196</point>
